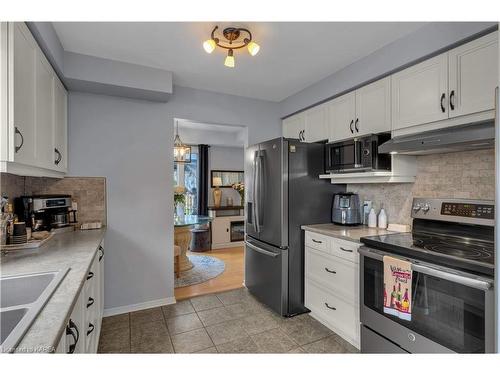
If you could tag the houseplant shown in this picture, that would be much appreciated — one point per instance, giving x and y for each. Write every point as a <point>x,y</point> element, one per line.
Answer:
<point>179,200</point>
<point>240,188</point>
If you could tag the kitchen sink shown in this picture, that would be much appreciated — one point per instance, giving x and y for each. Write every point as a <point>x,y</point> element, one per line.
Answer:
<point>22,297</point>
<point>23,290</point>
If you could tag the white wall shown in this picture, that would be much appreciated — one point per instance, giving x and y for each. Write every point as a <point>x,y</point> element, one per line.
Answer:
<point>130,143</point>
<point>226,158</point>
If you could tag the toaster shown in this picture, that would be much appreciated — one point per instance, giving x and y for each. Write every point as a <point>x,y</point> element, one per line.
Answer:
<point>346,209</point>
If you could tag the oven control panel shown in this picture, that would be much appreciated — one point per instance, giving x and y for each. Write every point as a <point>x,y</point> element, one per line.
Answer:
<point>481,211</point>
<point>465,211</point>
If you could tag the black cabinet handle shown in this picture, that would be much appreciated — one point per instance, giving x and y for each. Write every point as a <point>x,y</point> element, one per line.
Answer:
<point>356,125</point>
<point>17,131</point>
<point>452,95</point>
<point>329,270</point>
<point>90,275</point>
<point>313,240</point>
<point>59,156</point>
<point>69,331</point>
<point>443,96</point>
<point>346,250</point>
<point>330,307</point>
<point>90,302</point>
<point>304,135</point>
<point>91,326</point>
<point>350,126</point>
<point>101,249</point>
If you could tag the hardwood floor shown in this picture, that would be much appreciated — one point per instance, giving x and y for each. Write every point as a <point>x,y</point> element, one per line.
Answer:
<point>231,278</point>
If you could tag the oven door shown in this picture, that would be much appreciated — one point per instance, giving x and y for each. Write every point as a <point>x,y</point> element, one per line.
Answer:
<point>343,156</point>
<point>452,311</point>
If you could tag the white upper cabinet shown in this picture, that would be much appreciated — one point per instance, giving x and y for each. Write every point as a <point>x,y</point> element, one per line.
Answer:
<point>454,88</point>
<point>22,65</point>
<point>60,133</point>
<point>419,93</point>
<point>294,126</point>
<point>473,76</point>
<point>316,124</point>
<point>44,149</point>
<point>373,108</point>
<point>33,118</point>
<point>341,117</point>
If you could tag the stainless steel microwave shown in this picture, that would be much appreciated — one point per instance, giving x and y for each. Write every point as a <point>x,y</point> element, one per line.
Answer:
<point>357,155</point>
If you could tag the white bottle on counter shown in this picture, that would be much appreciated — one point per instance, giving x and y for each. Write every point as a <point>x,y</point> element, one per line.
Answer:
<point>372,219</point>
<point>382,219</point>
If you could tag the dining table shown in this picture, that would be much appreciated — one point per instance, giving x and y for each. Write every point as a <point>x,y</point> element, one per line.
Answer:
<point>182,236</point>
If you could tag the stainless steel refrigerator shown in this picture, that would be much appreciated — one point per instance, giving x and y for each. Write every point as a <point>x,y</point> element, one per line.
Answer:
<point>283,192</point>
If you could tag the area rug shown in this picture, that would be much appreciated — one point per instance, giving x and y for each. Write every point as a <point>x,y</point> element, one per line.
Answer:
<point>205,268</point>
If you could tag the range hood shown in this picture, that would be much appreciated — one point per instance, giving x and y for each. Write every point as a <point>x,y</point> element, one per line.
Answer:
<point>457,138</point>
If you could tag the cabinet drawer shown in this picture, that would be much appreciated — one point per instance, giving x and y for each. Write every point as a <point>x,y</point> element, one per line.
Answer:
<point>317,241</point>
<point>345,249</point>
<point>335,274</point>
<point>341,316</point>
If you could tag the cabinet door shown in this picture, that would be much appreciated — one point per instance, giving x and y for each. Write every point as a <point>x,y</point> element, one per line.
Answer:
<point>419,93</point>
<point>44,128</point>
<point>473,76</point>
<point>22,74</point>
<point>293,126</point>
<point>341,116</point>
<point>220,231</point>
<point>60,126</point>
<point>316,126</point>
<point>101,280</point>
<point>373,108</point>
<point>75,330</point>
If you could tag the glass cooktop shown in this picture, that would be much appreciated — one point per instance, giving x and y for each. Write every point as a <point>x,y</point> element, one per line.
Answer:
<point>457,252</point>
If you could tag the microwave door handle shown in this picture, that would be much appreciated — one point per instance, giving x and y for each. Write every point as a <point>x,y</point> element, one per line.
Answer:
<point>431,270</point>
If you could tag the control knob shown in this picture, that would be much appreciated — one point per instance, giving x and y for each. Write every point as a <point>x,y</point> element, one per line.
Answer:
<point>426,208</point>
<point>417,207</point>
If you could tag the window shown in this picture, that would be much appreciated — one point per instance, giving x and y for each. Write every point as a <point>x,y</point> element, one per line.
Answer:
<point>187,175</point>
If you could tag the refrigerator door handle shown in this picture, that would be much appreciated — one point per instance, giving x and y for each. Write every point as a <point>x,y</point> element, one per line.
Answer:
<point>257,189</point>
<point>254,194</point>
<point>262,251</point>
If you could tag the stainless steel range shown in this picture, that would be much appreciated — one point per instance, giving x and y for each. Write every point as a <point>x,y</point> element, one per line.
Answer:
<point>451,250</point>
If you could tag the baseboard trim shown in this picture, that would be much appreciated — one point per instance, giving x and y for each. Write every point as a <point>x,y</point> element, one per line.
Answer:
<point>138,306</point>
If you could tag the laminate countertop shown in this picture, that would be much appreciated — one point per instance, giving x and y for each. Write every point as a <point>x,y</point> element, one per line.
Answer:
<point>73,250</point>
<point>349,233</point>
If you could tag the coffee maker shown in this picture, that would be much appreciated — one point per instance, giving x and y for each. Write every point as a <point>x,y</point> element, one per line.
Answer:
<point>44,212</point>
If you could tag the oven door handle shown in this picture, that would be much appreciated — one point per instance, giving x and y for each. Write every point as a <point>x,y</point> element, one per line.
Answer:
<point>448,274</point>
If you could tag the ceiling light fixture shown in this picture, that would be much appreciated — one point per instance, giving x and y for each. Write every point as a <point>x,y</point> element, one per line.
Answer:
<point>234,40</point>
<point>182,152</point>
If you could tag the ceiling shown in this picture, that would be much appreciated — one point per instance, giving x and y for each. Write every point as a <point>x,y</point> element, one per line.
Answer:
<point>293,55</point>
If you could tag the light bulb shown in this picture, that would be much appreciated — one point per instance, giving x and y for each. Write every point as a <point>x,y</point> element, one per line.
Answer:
<point>209,45</point>
<point>229,62</point>
<point>253,48</point>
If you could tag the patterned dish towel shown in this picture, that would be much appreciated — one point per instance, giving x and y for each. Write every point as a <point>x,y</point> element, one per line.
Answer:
<point>397,287</point>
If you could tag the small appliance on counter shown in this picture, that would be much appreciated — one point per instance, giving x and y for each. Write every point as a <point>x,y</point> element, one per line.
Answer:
<point>346,209</point>
<point>44,212</point>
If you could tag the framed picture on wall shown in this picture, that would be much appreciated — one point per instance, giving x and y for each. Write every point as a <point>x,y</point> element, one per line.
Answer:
<point>225,179</point>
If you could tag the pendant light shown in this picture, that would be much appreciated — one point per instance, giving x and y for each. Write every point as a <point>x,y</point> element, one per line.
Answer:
<point>182,152</point>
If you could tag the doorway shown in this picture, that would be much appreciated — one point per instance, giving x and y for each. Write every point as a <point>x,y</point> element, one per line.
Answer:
<point>209,209</point>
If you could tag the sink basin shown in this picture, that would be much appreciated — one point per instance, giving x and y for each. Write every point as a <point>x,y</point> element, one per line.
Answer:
<point>23,290</point>
<point>9,320</point>
<point>22,297</point>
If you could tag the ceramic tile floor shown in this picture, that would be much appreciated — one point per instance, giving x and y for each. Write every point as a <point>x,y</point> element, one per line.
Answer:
<point>229,322</point>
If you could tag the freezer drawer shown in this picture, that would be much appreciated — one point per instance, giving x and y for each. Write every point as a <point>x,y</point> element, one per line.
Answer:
<point>373,343</point>
<point>266,275</point>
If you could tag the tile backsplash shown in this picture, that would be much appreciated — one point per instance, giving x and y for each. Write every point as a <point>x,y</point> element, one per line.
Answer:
<point>468,174</point>
<point>89,192</point>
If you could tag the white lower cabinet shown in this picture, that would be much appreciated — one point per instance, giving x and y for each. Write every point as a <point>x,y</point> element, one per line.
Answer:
<point>84,325</point>
<point>332,284</point>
